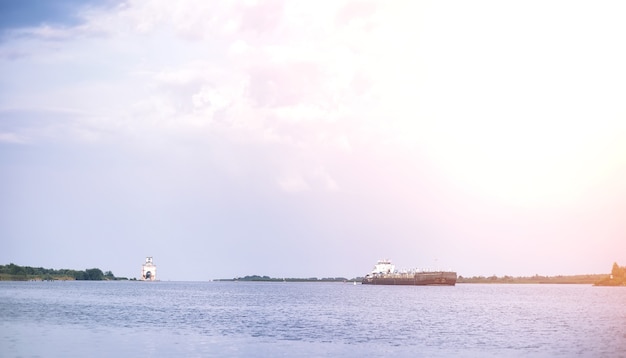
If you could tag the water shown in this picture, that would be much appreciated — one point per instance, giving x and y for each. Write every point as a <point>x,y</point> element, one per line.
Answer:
<point>246,319</point>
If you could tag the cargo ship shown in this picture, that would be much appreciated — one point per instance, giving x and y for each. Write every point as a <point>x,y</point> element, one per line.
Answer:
<point>385,273</point>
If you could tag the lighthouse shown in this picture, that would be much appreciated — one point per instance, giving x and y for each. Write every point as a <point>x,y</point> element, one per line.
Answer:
<point>148,270</point>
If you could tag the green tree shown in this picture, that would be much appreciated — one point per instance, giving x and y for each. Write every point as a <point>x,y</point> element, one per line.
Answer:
<point>94,274</point>
<point>16,270</point>
<point>617,271</point>
<point>109,275</point>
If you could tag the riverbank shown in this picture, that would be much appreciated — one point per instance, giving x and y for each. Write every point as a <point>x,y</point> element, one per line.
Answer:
<point>537,279</point>
<point>561,279</point>
<point>13,272</point>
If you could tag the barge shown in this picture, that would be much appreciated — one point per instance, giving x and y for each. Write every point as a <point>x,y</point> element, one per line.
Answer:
<point>385,273</point>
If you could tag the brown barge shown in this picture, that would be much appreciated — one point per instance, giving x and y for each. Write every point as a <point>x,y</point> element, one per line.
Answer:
<point>384,273</point>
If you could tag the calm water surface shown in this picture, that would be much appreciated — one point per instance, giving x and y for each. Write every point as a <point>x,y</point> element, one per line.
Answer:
<point>228,319</point>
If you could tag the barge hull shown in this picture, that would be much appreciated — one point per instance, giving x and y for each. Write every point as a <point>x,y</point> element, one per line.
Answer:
<point>418,279</point>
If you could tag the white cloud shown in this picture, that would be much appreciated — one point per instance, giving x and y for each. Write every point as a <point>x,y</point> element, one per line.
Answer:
<point>210,99</point>
<point>293,183</point>
<point>316,178</point>
<point>13,138</point>
<point>327,181</point>
<point>239,47</point>
<point>490,99</point>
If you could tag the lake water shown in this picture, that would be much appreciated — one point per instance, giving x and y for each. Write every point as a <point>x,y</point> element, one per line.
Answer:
<point>246,319</point>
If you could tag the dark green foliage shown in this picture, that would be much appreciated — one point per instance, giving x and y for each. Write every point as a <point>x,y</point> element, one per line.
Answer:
<point>24,273</point>
<point>94,274</point>
<point>14,269</point>
<point>80,275</point>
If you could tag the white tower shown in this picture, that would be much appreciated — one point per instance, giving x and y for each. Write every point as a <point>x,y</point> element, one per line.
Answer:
<point>148,270</point>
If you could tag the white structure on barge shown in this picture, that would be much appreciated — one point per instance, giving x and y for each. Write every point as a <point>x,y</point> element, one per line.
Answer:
<point>148,270</point>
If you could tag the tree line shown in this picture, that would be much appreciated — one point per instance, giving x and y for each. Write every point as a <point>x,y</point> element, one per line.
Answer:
<point>13,272</point>
<point>573,279</point>
<point>288,279</point>
<point>617,277</point>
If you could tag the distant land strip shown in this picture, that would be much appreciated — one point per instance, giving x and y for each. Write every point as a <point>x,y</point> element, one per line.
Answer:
<point>617,277</point>
<point>571,279</point>
<point>257,278</point>
<point>13,272</point>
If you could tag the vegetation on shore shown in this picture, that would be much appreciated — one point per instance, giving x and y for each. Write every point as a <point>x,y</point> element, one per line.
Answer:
<point>257,278</point>
<point>616,278</point>
<point>13,272</point>
<point>572,279</point>
<point>536,279</point>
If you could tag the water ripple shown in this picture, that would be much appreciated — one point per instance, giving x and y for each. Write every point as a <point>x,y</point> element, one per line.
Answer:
<point>325,319</point>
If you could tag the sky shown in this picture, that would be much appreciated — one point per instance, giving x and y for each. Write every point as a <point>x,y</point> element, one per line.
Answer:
<point>312,138</point>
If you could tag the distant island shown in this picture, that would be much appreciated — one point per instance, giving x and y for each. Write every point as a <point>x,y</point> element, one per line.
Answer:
<point>258,278</point>
<point>616,278</point>
<point>12,272</point>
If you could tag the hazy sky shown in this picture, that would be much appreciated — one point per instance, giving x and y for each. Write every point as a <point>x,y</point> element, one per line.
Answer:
<point>311,138</point>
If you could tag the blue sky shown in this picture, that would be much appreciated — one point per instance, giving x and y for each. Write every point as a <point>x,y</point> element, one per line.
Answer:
<point>298,138</point>
<point>28,13</point>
